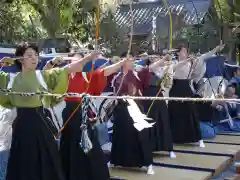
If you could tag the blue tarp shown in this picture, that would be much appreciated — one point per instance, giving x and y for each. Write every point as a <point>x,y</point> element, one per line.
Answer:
<point>43,61</point>
<point>98,63</point>
<point>3,163</point>
<point>229,70</point>
<point>141,62</point>
<point>87,68</point>
<point>15,69</point>
<point>215,66</point>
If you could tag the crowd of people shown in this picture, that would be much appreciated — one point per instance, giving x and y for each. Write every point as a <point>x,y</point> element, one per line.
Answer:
<point>31,126</point>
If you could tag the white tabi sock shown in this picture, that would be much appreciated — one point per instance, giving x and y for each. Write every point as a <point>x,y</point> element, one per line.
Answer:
<point>201,144</point>
<point>150,170</point>
<point>172,155</point>
<point>110,165</point>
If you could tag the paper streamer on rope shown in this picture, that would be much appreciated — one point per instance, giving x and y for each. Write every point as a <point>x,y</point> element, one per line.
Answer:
<point>85,142</point>
<point>87,104</point>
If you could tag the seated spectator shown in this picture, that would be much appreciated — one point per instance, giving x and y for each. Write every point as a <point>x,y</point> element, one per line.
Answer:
<point>205,115</point>
<point>227,113</point>
<point>235,81</point>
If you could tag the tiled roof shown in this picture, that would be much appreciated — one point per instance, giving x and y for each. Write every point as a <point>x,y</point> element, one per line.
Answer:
<point>192,12</point>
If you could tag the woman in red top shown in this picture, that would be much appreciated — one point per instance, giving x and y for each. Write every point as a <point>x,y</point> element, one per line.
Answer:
<point>76,163</point>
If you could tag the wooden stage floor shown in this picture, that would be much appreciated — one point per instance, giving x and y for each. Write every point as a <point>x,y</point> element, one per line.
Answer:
<point>192,162</point>
<point>210,149</point>
<point>225,139</point>
<point>161,173</point>
<point>230,133</point>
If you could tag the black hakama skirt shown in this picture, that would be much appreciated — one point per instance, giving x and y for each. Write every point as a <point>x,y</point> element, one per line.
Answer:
<point>205,111</point>
<point>160,133</point>
<point>183,118</point>
<point>130,147</point>
<point>78,165</point>
<point>34,152</point>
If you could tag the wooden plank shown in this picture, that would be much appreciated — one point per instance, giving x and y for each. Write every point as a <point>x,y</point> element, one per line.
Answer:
<point>230,133</point>
<point>210,149</point>
<point>236,177</point>
<point>160,173</point>
<point>223,139</point>
<point>214,164</point>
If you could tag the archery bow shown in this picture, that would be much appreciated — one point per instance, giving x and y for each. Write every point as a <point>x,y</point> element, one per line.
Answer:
<point>97,15</point>
<point>221,27</point>
<point>129,45</point>
<point>165,76</point>
<point>131,35</point>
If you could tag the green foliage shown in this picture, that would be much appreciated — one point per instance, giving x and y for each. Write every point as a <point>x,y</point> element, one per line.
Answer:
<point>82,22</point>
<point>227,12</point>
<point>223,11</point>
<point>49,13</point>
<point>13,27</point>
<point>204,38</point>
<point>35,19</point>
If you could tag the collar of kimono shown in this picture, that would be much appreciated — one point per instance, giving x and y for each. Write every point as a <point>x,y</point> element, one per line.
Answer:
<point>121,83</point>
<point>84,75</point>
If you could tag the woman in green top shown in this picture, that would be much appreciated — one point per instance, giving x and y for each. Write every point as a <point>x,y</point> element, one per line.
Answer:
<point>34,153</point>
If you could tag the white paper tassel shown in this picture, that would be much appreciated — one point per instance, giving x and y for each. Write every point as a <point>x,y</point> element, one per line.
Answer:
<point>86,142</point>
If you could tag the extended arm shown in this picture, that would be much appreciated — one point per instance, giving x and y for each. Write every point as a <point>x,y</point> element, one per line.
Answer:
<point>73,67</point>
<point>77,66</point>
<point>211,53</point>
<point>160,63</point>
<point>207,55</point>
<point>199,65</point>
<point>109,70</point>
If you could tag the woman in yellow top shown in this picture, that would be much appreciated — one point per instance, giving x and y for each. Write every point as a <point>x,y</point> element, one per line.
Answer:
<point>34,153</point>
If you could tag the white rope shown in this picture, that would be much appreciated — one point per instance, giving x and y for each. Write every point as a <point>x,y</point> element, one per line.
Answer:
<point>166,98</point>
<point>9,92</point>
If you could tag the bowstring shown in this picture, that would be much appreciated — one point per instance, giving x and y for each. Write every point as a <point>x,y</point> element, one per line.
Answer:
<point>97,24</point>
<point>221,27</point>
<point>165,76</point>
<point>129,45</point>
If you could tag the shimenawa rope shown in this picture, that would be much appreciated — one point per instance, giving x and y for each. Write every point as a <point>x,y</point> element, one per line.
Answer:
<point>9,92</point>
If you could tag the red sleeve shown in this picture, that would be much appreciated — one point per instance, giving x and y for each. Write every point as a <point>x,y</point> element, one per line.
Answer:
<point>98,82</point>
<point>145,75</point>
<point>110,78</point>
